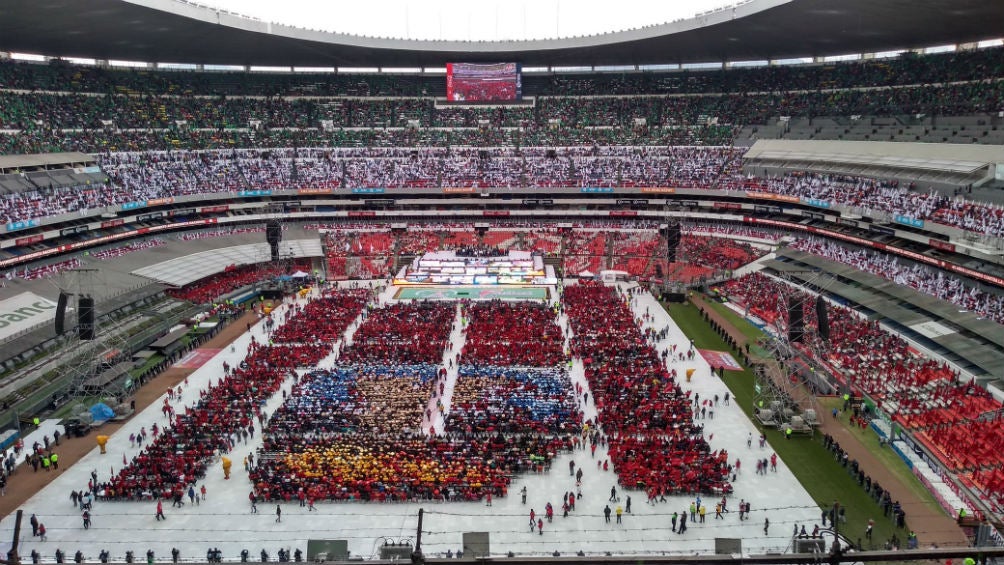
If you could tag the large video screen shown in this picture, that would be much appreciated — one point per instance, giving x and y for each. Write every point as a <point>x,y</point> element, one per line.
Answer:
<point>480,82</point>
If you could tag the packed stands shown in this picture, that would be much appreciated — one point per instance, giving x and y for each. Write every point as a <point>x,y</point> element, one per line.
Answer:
<point>927,280</point>
<point>222,232</point>
<point>907,68</point>
<point>140,176</point>
<point>121,250</point>
<point>653,441</point>
<point>921,394</point>
<point>232,278</point>
<point>585,251</point>
<point>44,271</point>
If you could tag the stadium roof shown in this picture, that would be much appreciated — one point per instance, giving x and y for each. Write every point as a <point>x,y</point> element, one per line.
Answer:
<point>177,32</point>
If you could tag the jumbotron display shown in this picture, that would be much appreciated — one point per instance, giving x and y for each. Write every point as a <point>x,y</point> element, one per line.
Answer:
<point>479,82</point>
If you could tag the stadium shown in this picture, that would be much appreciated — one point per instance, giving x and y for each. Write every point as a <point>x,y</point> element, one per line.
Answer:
<point>271,293</point>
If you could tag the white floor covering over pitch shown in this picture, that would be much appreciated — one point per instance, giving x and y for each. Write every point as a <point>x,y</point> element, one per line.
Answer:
<point>224,520</point>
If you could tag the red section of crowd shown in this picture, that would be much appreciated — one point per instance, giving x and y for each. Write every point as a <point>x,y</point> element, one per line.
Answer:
<point>653,441</point>
<point>322,321</point>
<point>403,333</point>
<point>518,334</point>
<point>210,288</point>
<point>921,394</point>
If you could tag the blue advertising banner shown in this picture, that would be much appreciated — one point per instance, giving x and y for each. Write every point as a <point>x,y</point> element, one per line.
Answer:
<point>22,225</point>
<point>600,189</point>
<point>368,190</point>
<point>908,221</point>
<point>816,202</point>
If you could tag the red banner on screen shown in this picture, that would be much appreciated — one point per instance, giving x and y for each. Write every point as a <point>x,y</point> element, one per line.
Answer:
<point>29,240</point>
<point>943,245</point>
<point>483,82</point>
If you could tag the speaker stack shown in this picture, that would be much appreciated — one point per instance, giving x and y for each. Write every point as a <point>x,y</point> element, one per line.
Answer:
<point>796,324</point>
<point>673,235</point>
<point>822,319</point>
<point>61,312</point>
<point>85,318</point>
<point>273,235</point>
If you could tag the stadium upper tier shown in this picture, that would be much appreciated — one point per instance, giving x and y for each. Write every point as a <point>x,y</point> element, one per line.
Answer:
<point>151,175</point>
<point>76,111</point>
<point>46,122</point>
<point>905,69</point>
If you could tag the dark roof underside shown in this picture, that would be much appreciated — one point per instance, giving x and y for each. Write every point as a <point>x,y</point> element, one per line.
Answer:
<point>762,29</point>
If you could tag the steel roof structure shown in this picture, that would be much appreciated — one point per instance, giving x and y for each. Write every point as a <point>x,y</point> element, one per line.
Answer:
<point>176,31</point>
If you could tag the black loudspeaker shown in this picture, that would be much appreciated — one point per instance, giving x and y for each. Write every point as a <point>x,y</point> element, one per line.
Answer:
<point>273,235</point>
<point>273,232</point>
<point>673,236</point>
<point>796,325</point>
<point>483,155</point>
<point>61,312</point>
<point>551,154</point>
<point>85,318</point>
<point>822,319</point>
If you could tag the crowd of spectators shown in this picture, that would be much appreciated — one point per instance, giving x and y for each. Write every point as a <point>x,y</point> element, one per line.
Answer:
<point>920,393</point>
<point>717,253</point>
<point>321,321</point>
<point>674,117</point>
<point>737,231</point>
<point>24,111</point>
<point>904,69</point>
<point>512,376</point>
<point>224,414</point>
<point>928,280</point>
<point>222,232</point>
<point>43,271</point>
<point>47,140</point>
<point>139,176</point>
<point>654,444</point>
<point>355,432</point>
<point>179,455</point>
<point>512,334</point>
<point>112,252</point>
<point>233,277</point>
<point>402,333</point>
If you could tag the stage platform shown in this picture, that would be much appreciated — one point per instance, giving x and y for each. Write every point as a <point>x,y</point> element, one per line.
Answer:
<point>472,293</point>
<point>449,268</point>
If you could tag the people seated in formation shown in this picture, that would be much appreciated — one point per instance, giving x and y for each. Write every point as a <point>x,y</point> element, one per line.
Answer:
<point>645,417</point>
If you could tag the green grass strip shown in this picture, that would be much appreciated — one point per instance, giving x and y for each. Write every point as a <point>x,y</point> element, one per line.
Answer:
<point>813,465</point>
